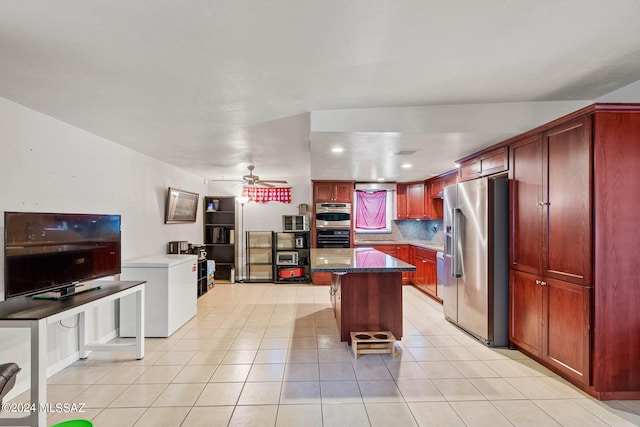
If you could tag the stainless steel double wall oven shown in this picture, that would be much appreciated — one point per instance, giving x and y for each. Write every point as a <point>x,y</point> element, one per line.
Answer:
<point>333,225</point>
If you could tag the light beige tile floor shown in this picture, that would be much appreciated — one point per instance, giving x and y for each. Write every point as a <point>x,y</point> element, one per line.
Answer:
<point>270,355</point>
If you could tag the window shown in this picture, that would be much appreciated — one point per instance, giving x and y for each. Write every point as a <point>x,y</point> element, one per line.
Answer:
<point>373,211</point>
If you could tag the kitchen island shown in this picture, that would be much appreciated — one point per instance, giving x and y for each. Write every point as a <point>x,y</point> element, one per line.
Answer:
<point>365,290</point>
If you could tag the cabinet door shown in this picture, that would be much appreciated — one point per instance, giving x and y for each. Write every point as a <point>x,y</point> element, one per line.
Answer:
<point>567,340</point>
<point>470,170</point>
<point>526,319</point>
<point>402,253</point>
<point>426,271</point>
<point>430,279</point>
<point>568,203</point>
<point>343,192</point>
<point>435,188</point>
<point>323,192</point>
<point>401,201</point>
<point>415,200</point>
<point>526,208</point>
<point>450,179</point>
<point>419,279</point>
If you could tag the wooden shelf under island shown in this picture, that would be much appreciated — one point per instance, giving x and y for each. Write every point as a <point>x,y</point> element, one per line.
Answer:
<point>365,290</point>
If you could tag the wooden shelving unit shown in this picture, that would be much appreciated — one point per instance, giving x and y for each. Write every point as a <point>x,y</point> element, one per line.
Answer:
<point>220,234</point>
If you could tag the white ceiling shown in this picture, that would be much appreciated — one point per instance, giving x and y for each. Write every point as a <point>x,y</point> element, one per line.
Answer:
<point>213,85</point>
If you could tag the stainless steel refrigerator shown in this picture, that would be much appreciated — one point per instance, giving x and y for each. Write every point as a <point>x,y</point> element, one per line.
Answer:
<point>476,265</point>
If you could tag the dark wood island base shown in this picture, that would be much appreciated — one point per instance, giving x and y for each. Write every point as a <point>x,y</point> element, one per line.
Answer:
<point>367,302</point>
<point>366,289</point>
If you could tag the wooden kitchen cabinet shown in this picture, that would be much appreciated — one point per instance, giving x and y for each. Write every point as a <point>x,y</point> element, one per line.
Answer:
<point>333,191</point>
<point>489,163</point>
<point>434,206</point>
<point>551,203</point>
<point>415,200</point>
<point>403,254</point>
<point>525,303</point>
<point>410,200</point>
<point>401,201</point>
<point>425,276</point>
<point>573,270</point>
<point>551,243</point>
<point>400,252</point>
<point>552,322</point>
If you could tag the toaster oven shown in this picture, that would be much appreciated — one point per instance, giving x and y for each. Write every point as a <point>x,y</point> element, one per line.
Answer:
<point>287,258</point>
<point>295,223</point>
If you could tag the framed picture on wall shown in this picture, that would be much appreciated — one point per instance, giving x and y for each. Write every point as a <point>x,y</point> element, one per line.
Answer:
<point>181,206</point>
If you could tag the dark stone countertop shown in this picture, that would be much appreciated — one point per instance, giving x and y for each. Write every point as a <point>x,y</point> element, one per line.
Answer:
<point>356,260</point>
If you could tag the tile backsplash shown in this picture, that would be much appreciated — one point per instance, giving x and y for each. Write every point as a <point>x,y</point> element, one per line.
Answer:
<point>421,230</point>
<point>409,230</point>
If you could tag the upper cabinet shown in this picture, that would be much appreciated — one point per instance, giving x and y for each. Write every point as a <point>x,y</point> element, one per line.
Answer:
<point>333,191</point>
<point>489,163</point>
<point>415,200</point>
<point>551,199</point>
<point>423,199</point>
<point>410,200</point>
<point>434,200</point>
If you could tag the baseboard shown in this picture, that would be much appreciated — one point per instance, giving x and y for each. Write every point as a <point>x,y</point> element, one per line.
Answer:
<point>24,384</point>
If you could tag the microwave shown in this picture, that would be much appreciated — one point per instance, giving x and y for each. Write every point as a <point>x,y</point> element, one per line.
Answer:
<point>292,223</point>
<point>287,258</point>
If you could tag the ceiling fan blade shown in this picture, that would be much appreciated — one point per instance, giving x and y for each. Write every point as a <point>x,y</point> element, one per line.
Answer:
<point>276,181</point>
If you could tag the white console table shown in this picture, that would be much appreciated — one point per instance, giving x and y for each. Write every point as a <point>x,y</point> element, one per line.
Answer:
<point>36,314</point>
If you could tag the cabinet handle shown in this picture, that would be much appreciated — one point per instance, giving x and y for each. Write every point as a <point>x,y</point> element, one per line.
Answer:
<point>543,204</point>
<point>538,282</point>
<point>543,283</point>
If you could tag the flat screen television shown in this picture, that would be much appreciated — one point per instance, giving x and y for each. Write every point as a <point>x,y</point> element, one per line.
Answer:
<point>46,252</point>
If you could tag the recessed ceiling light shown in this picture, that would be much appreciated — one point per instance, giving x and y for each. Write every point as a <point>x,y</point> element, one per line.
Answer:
<point>457,165</point>
<point>337,149</point>
<point>380,179</point>
<point>406,166</point>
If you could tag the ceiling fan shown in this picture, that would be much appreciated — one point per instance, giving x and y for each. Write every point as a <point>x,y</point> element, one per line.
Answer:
<point>252,179</point>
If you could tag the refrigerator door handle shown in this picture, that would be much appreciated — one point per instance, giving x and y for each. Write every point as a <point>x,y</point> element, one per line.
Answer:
<point>456,214</point>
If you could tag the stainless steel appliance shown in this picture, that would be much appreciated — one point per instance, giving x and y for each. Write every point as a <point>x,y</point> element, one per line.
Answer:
<point>333,215</point>
<point>476,270</point>
<point>287,258</point>
<point>333,238</point>
<point>291,223</point>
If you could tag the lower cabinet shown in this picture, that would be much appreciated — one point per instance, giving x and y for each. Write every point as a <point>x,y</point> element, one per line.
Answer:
<point>550,319</point>
<point>425,276</point>
<point>400,252</point>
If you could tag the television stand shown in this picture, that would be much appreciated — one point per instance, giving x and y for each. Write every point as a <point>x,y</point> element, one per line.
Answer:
<point>35,315</point>
<point>68,291</point>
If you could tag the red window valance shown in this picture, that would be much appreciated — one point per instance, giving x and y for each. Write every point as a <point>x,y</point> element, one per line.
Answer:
<point>264,195</point>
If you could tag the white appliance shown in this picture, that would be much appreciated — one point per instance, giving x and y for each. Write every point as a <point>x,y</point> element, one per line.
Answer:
<point>171,293</point>
<point>476,258</point>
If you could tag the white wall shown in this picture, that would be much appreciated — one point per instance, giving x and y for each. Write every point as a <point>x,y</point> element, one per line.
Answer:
<point>49,166</point>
